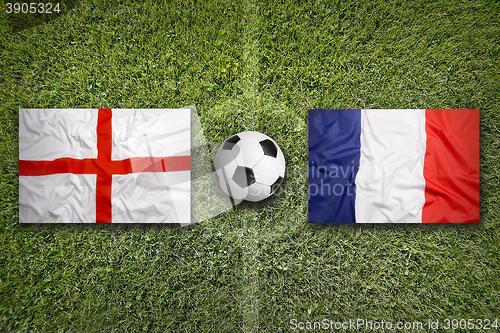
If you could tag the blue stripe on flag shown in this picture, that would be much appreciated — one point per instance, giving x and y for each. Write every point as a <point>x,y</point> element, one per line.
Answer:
<point>334,154</point>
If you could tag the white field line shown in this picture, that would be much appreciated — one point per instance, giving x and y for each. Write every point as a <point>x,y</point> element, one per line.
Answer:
<point>249,234</point>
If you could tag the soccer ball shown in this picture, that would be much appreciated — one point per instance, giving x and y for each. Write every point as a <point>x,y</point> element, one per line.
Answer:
<point>250,166</point>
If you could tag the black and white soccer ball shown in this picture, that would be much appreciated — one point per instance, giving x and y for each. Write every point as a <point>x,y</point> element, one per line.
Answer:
<point>250,166</point>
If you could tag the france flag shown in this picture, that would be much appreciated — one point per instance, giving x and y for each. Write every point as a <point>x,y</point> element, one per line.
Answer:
<point>393,166</point>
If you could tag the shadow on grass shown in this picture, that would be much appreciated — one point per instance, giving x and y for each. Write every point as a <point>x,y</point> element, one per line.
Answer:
<point>426,227</point>
<point>120,227</point>
<point>20,21</point>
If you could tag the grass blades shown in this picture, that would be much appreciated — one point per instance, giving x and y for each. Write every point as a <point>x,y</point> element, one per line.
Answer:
<point>249,65</point>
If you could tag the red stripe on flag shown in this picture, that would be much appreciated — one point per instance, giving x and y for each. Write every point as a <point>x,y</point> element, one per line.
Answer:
<point>154,164</point>
<point>103,212</point>
<point>451,167</point>
<point>93,166</point>
<point>103,167</point>
<point>61,165</point>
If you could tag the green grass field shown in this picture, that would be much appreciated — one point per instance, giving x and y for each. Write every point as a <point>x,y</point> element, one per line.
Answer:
<point>249,65</point>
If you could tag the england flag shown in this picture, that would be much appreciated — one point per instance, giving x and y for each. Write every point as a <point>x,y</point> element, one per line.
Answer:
<point>104,166</point>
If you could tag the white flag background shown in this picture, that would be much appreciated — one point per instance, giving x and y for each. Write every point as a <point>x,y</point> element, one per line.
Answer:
<point>104,165</point>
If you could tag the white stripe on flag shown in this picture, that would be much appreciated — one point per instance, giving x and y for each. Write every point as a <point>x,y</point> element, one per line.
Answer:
<point>49,134</point>
<point>59,198</point>
<point>150,132</point>
<point>151,197</point>
<point>390,183</point>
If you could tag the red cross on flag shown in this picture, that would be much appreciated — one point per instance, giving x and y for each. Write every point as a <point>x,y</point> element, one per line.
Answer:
<point>104,165</point>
